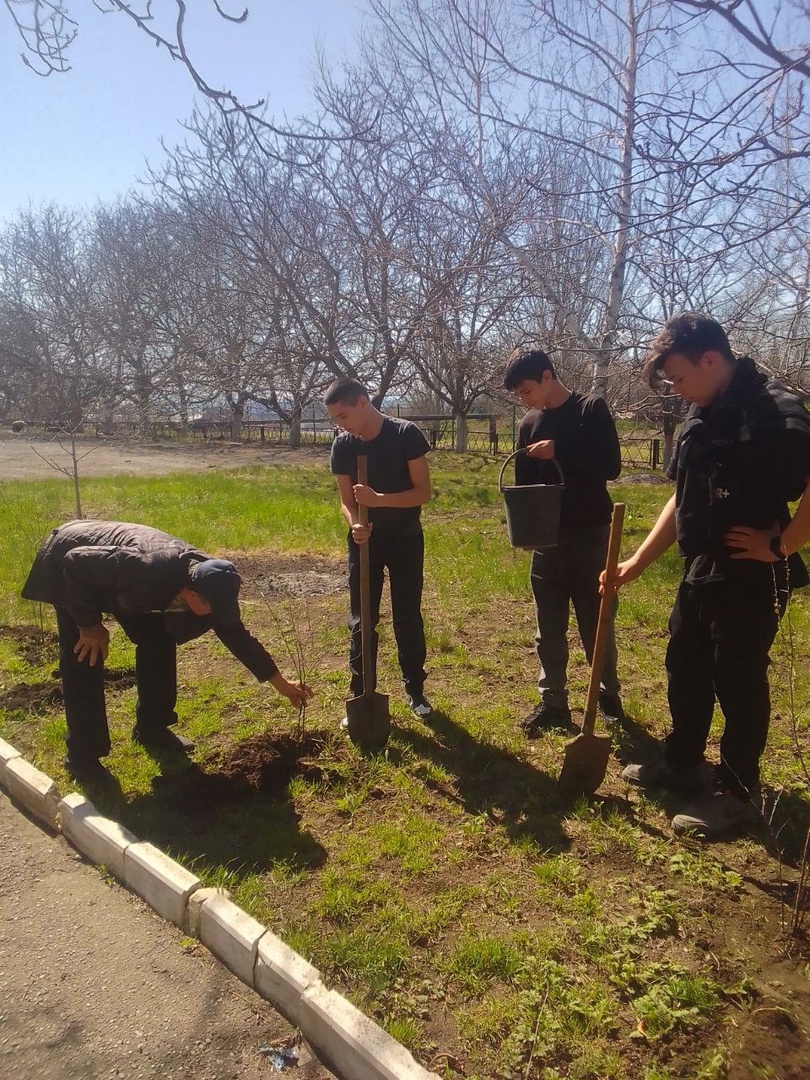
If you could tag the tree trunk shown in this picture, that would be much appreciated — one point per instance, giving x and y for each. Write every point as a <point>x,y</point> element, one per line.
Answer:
<point>461,432</point>
<point>237,420</point>
<point>295,429</point>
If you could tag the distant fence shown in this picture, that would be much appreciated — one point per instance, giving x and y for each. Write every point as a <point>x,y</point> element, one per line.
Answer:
<point>485,434</point>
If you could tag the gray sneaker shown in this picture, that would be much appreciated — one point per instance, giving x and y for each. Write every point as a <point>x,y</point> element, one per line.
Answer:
<point>717,813</point>
<point>659,774</point>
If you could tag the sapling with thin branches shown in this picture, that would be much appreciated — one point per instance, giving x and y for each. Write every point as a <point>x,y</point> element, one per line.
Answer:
<point>296,634</point>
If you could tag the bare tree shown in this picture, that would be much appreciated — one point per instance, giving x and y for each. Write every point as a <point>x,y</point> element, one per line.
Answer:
<point>47,30</point>
<point>49,281</point>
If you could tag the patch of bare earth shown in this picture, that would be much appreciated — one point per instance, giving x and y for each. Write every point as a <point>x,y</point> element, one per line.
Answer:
<point>39,647</point>
<point>268,574</point>
<point>37,458</point>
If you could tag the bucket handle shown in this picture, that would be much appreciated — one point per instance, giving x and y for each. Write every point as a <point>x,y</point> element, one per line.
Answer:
<point>523,450</point>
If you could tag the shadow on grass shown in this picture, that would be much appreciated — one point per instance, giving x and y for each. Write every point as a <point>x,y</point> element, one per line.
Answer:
<point>788,821</point>
<point>492,781</point>
<point>224,818</point>
<point>633,742</point>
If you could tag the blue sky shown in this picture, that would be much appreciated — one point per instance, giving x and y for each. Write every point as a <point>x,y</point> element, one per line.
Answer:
<point>85,135</point>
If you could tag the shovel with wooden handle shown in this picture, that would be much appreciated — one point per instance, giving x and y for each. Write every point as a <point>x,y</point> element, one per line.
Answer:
<point>368,716</point>
<point>586,755</point>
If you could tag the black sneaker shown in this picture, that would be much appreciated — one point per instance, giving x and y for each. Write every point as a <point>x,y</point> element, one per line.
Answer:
<point>610,706</point>
<point>88,771</point>
<point>163,739</point>
<point>544,716</point>
<point>420,706</point>
<point>658,773</point>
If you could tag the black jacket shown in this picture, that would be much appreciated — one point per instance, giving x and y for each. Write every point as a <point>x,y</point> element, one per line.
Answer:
<point>87,568</point>
<point>587,448</point>
<point>739,461</point>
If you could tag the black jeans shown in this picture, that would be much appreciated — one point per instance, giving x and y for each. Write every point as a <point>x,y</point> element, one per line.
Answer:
<point>720,637</point>
<point>88,735</point>
<point>561,577</point>
<point>404,558</point>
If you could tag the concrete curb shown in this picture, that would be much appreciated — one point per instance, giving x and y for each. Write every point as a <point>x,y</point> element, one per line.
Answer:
<point>348,1041</point>
<point>7,754</point>
<point>36,791</point>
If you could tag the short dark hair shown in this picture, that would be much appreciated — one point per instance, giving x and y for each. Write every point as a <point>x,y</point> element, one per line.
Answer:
<point>689,334</point>
<point>344,391</point>
<point>526,363</point>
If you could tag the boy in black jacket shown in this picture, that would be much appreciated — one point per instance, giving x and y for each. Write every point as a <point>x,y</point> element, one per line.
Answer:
<point>742,455</point>
<point>578,432</point>
<point>163,592</point>
<point>398,486</point>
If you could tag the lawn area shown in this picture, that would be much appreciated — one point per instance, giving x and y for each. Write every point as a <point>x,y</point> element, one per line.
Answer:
<point>445,887</point>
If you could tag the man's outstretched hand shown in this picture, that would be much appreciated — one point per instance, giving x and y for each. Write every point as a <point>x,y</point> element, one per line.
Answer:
<point>297,693</point>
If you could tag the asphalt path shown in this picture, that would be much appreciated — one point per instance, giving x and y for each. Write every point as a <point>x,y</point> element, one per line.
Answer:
<point>95,986</point>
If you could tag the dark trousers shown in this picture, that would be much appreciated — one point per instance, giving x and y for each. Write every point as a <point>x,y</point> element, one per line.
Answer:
<point>720,637</point>
<point>404,558</point>
<point>564,576</point>
<point>88,735</point>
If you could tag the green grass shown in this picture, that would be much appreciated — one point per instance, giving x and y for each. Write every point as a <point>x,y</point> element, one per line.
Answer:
<point>444,885</point>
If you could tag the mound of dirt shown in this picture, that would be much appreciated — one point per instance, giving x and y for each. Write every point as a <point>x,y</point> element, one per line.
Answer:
<point>272,574</point>
<point>270,760</point>
<point>35,645</point>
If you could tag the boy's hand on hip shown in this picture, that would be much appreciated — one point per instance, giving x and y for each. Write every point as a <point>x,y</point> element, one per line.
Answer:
<point>93,644</point>
<point>543,449</point>
<point>747,543</point>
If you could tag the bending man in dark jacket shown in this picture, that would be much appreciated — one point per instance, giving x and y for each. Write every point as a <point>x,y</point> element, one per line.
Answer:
<point>163,592</point>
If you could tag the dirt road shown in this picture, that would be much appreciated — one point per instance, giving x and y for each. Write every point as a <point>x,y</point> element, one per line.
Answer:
<point>24,458</point>
<point>93,985</point>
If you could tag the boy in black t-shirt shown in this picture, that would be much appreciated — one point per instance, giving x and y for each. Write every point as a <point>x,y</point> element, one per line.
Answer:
<point>742,455</point>
<point>398,486</point>
<point>577,431</point>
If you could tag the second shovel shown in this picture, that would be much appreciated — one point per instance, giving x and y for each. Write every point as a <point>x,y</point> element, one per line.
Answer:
<point>368,715</point>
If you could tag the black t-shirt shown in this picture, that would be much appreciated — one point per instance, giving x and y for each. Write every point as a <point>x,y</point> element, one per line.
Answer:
<point>586,446</point>
<point>398,442</point>
<point>738,461</point>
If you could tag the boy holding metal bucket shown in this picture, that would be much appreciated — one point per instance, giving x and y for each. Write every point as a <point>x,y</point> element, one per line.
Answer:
<point>576,431</point>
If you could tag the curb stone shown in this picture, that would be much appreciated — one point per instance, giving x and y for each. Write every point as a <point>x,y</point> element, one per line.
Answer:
<point>101,840</point>
<point>33,790</point>
<point>195,903</point>
<point>347,1039</point>
<point>232,935</point>
<point>7,753</point>
<point>163,883</point>
<point>282,976</point>
<point>355,1045</point>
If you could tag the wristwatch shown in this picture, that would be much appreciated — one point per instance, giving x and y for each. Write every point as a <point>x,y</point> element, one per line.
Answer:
<point>776,546</point>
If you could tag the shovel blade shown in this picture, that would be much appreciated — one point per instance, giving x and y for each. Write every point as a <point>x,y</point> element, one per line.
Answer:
<point>585,764</point>
<point>369,721</point>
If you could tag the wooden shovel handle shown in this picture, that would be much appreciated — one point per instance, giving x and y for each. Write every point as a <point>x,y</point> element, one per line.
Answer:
<point>603,623</point>
<point>365,587</point>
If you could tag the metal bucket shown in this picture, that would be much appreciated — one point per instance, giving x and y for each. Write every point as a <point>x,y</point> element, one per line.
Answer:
<point>532,510</point>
